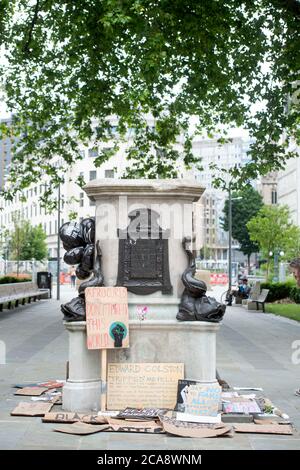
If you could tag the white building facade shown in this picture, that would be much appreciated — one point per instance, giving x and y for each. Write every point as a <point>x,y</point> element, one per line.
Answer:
<point>210,234</point>
<point>289,187</point>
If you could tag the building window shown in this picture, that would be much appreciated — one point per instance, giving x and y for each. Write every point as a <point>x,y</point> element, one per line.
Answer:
<point>109,174</point>
<point>56,226</point>
<point>93,175</point>
<point>50,227</point>
<point>81,199</point>
<point>93,152</point>
<point>92,203</point>
<point>274,197</point>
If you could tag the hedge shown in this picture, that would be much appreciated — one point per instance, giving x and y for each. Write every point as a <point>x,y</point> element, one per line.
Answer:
<point>281,290</point>
<point>13,279</point>
<point>295,294</point>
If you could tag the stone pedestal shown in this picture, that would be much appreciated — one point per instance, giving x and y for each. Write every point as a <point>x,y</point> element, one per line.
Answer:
<point>191,343</point>
<point>159,337</point>
<point>83,387</point>
<point>173,200</point>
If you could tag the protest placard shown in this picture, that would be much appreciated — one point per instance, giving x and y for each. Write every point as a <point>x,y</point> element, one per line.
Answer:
<point>107,317</point>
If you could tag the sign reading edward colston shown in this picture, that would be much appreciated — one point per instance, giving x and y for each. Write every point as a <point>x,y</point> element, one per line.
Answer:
<point>144,254</point>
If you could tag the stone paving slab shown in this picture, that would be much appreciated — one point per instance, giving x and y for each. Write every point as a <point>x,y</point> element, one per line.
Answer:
<point>253,349</point>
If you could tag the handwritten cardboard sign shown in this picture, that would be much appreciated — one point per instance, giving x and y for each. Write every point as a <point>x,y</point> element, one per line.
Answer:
<point>107,317</point>
<point>188,429</point>
<point>73,417</point>
<point>121,425</point>
<point>31,391</point>
<point>198,399</point>
<point>141,414</point>
<point>144,385</point>
<point>81,428</point>
<point>25,408</point>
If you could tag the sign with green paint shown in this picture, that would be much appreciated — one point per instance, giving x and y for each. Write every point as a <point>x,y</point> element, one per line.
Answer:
<point>107,320</point>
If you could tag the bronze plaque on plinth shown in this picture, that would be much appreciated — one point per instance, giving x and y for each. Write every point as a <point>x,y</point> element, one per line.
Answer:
<point>144,254</point>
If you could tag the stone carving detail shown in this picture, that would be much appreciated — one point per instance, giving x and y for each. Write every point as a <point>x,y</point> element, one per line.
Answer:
<point>195,305</point>
<point>143,254</point>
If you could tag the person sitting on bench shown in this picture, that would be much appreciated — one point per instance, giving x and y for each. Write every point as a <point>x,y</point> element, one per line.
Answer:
<point>243,290</point>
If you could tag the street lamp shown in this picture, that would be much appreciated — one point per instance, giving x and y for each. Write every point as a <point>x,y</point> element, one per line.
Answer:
<point>276,253</point>
<point>230,199</point>
<point>58,245</point>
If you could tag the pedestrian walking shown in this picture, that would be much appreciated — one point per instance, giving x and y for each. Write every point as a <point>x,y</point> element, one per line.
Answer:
<point>73,276</point>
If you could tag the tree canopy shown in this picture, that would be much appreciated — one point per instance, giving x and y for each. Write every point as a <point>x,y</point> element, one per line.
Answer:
<point>28,242</point>
<point>70,64</point>
<point>243,209</point>
<point>272,229</point>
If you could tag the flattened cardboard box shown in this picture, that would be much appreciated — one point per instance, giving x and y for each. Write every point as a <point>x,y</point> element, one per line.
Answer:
<point>31,409</point>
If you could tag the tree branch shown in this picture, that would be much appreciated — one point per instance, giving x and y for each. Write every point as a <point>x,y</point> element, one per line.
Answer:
<point>32,25</point>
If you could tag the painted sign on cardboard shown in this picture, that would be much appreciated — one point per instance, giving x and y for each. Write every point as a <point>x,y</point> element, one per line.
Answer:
<point>107,320</point>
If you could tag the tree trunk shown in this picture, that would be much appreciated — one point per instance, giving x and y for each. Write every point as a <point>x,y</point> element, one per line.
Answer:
<point>249,256</point>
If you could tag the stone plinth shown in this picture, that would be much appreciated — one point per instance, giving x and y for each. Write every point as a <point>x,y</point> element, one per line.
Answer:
<point>173,200</point>
<point>83,387</point>
<point>192,343</point>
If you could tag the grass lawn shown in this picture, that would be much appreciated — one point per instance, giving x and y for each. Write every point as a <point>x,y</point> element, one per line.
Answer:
<point>285,310</point>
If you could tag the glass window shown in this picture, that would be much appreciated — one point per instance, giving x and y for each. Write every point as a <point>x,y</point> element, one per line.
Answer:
<point>81,199</point>
<point>93,152</point>
<point>274,197</point>
<point>93,175</point>
<point>92,203</point>
<point>109,174</point>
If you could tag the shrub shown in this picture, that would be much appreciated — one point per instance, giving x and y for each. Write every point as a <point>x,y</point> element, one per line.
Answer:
<point>13,279</point>
<point>278,290</point>
<point>295,294</point>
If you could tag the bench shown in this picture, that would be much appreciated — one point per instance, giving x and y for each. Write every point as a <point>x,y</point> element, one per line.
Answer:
<point>19,292</point>
<point>262,299</point>
<point>250,303</point>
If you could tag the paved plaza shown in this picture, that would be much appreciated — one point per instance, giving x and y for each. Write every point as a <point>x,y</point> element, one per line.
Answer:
<point>253,349</point>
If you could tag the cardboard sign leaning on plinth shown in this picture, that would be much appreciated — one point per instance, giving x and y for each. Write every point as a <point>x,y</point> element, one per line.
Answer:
<point>107,324</point>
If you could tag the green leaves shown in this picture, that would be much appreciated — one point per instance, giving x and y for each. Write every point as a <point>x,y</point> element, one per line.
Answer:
<point>28,242</point>
<point>242,211</point>
<point>72,65</point>
<point>273,230</point>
